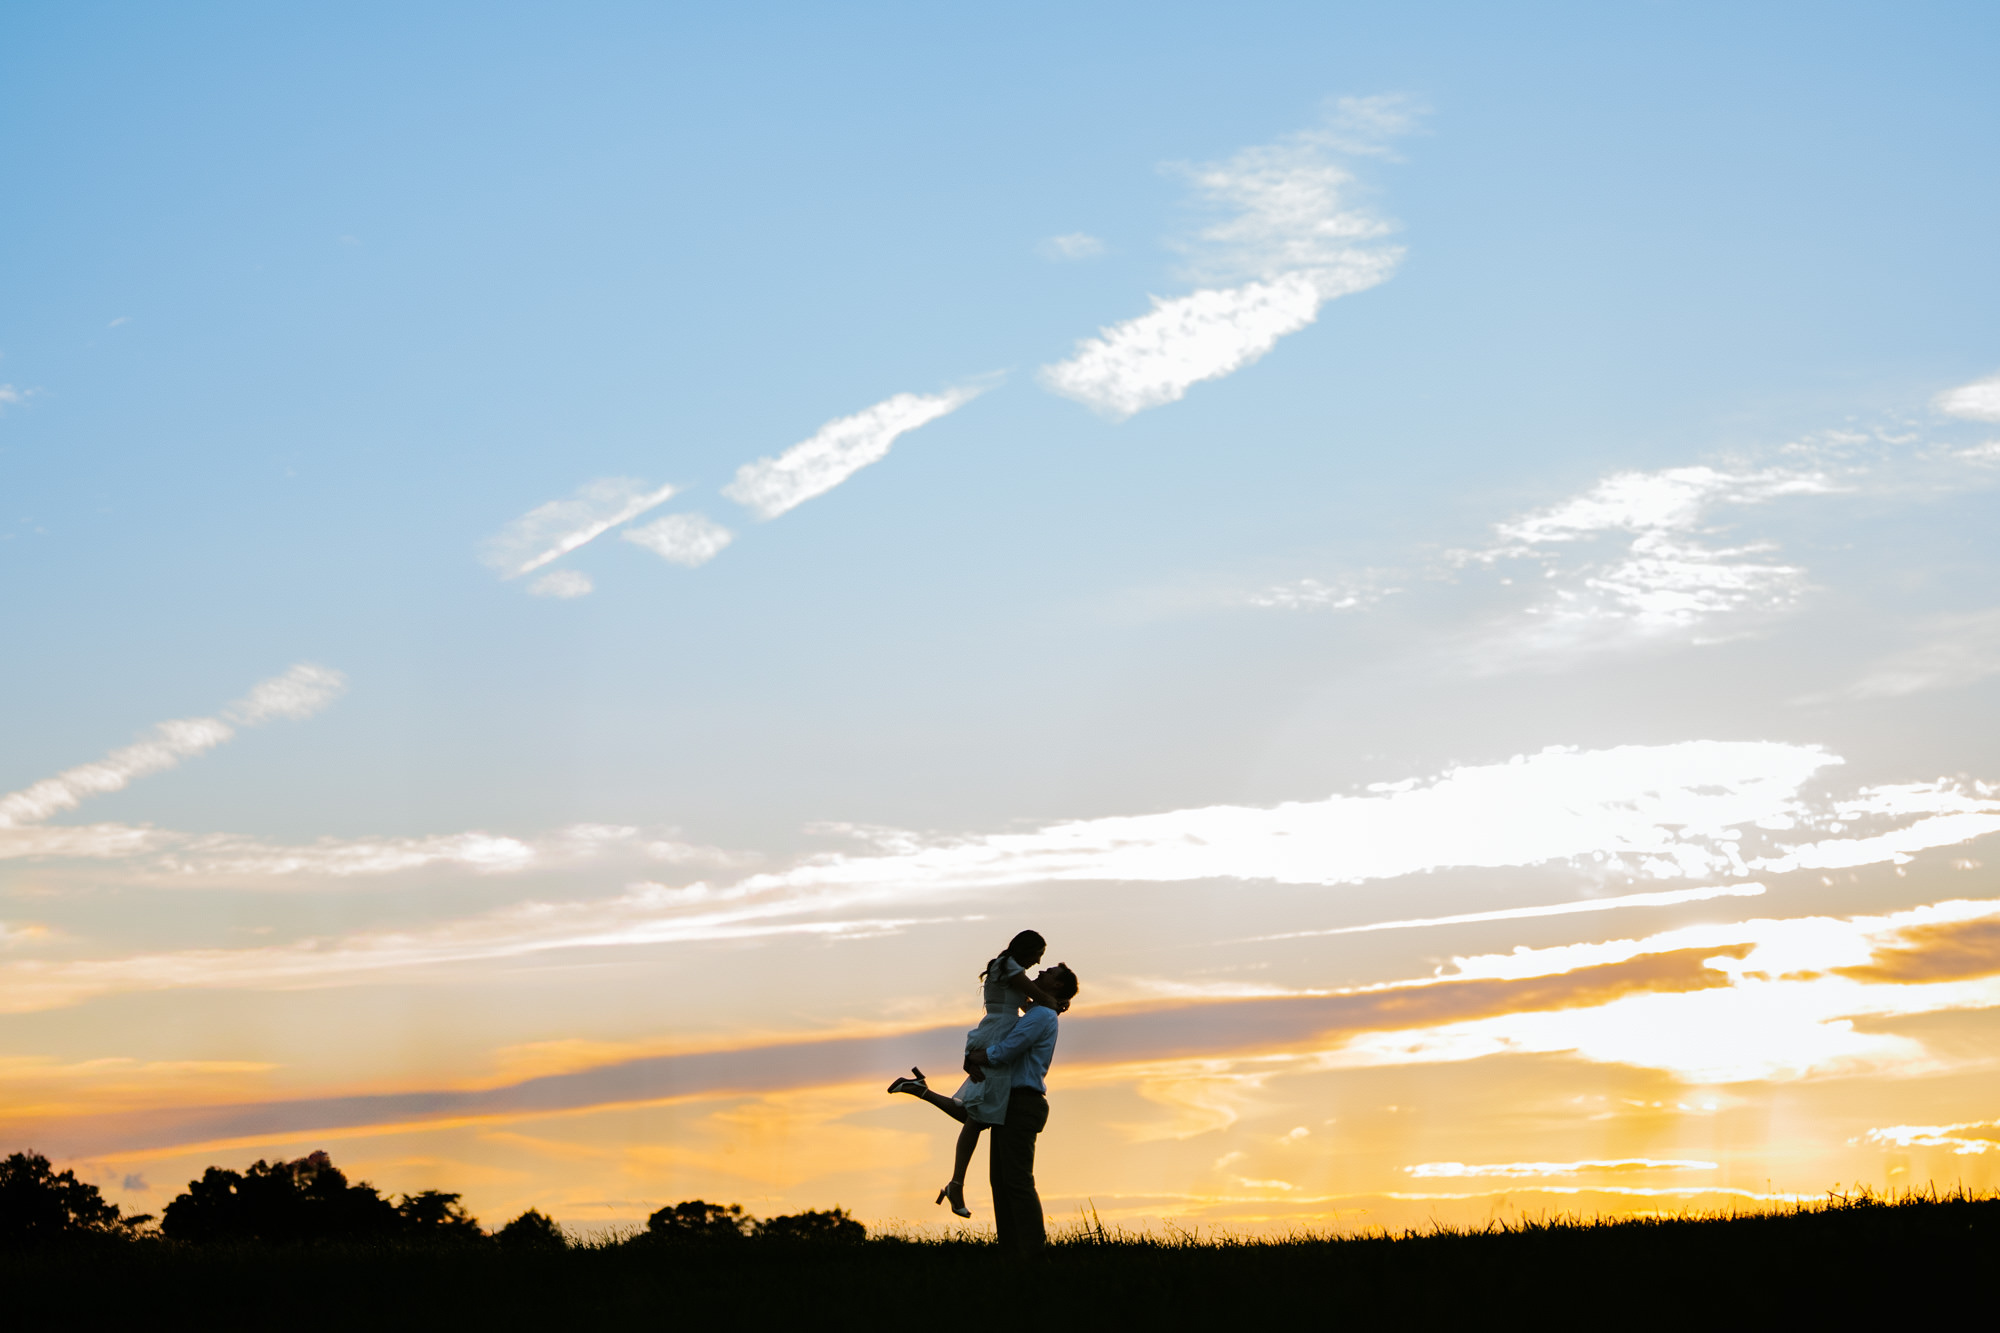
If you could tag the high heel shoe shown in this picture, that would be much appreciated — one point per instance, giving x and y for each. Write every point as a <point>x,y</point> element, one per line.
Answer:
<point>916,1087</point>
<point>955,1192</point>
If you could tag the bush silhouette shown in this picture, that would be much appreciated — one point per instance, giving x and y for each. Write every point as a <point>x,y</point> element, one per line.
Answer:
<point>305,1200</point>
<point>697,1220</point>
<point>832,1227</point>
<point>39,1204</point>
<point>532,1230</point>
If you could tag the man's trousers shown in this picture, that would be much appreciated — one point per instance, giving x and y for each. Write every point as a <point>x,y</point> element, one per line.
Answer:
<point>1017,1208</point>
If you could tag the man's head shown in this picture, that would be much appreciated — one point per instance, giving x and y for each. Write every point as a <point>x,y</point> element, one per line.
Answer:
<point>1058,981</point>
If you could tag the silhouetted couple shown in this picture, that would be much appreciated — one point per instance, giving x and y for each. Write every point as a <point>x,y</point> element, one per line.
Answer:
<point>1007,1059</point>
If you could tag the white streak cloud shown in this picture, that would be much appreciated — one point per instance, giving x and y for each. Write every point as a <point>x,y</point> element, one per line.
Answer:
<point>683,539</point>
<point>1073,245</point>
<point>1978,401</point>
<point>1972,1138</point>
<point>1530,1170</point>
<point>562,583</point>
<point>1158,357</point>
<point>1665,898</point>
<point>1313,595</point>
<point>1292,240</point>
<point>1662,812</point>
<point>298,693</point>
<point>553,530</point>
<point>840,448</point>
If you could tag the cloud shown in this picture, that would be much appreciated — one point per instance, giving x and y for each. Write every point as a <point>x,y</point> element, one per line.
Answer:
<point>1530,1170</point>
<point>1666,811</point>
<point>1957,650</point>
<point>161,855</point>
<point>298,693</point>
<point>10,395</point>
<point>1949,950</point>
<point>641,916</point>
<point>550,531</point>
<point>841,448</point>
<point>563,583</point>
<point>1074,245</point>
<point>1665,579</point>
<point>1292,240</point>
<point>1312,595</point>
<point>1671,500</point>
<point>1713,1003</point>
<point>1978,401</point>
<point>1158,357</point>
<point>684,539</point>
<point>1668,898</point>
<point>1968,1139</point>
<point>1694,810</point>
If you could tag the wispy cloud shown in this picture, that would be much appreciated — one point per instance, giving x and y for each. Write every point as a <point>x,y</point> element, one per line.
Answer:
<point>1665,898</point>
<point>163,856</point>
<point>1293,238</point>
<point>641,916</point>
<point>1530,1170</point>
<point>553,530</point>
<point>1663,575</point>
<point>1954,651</point>
<point>1663,812</point>
<point>840,448</point>
<point>299,693</point>
<point>1694,810</point>
<point>684,539</point>
<point>1970,1138</point>
<point>562,583</point>
<point>1313,595</point>
<point>1073,245</point>
<point>1755,1000</point>
<point>1978,401</point>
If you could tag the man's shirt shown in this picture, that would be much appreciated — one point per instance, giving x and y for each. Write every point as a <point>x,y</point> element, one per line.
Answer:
<point>1029,1048</point>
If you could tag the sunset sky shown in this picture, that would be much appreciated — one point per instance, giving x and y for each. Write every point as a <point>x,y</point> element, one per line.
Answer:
<point>572,572</point>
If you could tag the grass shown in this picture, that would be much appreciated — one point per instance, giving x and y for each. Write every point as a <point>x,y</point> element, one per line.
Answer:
<point>1838,1258</point>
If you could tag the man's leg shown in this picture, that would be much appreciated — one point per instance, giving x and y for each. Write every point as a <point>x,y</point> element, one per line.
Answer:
<point>1017,1207</point>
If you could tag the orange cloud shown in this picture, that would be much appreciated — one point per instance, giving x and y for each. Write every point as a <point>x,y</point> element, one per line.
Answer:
<point>1935,951</point>
<point>1233,1028</point>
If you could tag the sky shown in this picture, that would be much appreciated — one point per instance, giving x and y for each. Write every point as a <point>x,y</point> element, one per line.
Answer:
<point>572,574</point>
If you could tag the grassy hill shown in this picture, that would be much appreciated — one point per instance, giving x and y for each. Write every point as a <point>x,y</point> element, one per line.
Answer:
<point>1838,1258</point>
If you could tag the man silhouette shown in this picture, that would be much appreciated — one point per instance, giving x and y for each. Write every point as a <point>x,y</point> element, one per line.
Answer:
<point>1028,1049</point>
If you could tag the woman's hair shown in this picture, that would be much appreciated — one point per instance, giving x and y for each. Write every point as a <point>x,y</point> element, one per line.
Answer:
<point>1019,948</point>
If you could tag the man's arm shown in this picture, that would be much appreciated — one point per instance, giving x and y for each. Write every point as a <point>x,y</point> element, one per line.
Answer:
<point>1032,1025</point>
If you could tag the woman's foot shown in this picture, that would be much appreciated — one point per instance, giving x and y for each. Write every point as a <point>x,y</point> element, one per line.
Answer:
<point>955,1192</point>
<point>916,1087</point>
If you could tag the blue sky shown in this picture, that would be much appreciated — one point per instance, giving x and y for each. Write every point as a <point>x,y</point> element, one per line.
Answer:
<point>1612,409</point>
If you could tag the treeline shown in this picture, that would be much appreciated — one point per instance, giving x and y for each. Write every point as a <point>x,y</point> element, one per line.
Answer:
<point>311,1200</point>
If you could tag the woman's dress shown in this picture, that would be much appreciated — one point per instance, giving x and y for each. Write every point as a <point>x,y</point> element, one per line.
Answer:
<point>987,1102</point>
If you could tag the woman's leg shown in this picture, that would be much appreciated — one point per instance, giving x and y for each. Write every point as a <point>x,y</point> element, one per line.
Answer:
<point>968,1139</point>
<point>947,1105</point>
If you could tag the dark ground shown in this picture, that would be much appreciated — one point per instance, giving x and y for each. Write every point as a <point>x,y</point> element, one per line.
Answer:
<point>1843,1260</point>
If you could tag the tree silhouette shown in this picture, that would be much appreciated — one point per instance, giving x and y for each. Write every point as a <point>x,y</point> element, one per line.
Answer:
<point>532,1230</point>
<point>697,1220</point>
<point>39,1204</point>
<point>833,1226</point>
<point>305,1200</point>
<point>435,1215</point>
